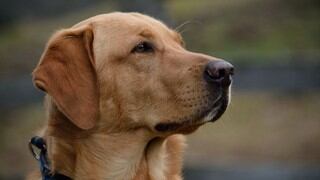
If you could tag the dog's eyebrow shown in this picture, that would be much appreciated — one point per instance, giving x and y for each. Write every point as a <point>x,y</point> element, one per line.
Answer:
<point>175,35</point>
<point>146,33</point>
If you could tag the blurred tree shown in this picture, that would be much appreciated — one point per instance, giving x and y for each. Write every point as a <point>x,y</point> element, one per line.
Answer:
<point>11,11</point>
<point>155,8</point>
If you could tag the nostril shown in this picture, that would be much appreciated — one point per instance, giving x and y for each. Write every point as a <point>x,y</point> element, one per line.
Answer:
<point>212,73</point>
<point>222,73</point>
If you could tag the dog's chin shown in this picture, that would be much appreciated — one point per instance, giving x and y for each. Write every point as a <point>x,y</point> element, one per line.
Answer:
<point>207,114</point>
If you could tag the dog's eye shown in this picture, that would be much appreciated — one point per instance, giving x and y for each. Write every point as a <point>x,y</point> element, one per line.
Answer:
<point>143,47</point>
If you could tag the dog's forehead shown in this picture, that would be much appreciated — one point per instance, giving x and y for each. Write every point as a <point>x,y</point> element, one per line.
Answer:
<point>129,23</point>
<point>130,20</point>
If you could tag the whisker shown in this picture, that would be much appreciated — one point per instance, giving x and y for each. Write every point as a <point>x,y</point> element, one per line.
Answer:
<point>182,25</point>
<point>179,28</point>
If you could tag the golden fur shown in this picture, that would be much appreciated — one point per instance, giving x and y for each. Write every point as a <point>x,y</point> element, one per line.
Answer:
<point>104,100</point>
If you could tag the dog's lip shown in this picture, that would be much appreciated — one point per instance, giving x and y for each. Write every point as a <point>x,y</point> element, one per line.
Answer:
<point>218,110</point>
<point>208,115</point>
<point>213,113</point>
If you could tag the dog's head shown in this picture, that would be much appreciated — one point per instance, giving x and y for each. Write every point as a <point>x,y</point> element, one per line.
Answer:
<point>126,71</point>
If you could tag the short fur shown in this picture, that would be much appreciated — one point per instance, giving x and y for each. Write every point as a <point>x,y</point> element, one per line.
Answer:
<point>104,100</point>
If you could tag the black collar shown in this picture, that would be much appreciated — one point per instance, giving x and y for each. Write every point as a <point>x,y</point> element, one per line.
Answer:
<point>42,157</point>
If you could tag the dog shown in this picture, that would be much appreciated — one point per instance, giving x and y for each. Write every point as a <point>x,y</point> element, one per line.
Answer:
<point>121,93</point>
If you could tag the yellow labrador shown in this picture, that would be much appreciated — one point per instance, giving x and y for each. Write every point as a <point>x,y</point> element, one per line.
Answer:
<point>121,91</point>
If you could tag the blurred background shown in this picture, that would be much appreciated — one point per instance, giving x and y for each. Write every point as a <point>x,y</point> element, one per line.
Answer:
<point>270,131</point>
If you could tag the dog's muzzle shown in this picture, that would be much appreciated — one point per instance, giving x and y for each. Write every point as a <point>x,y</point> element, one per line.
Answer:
<point>218,77</point>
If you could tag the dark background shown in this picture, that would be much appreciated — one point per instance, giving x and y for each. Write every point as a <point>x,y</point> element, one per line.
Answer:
<point>270,131</point>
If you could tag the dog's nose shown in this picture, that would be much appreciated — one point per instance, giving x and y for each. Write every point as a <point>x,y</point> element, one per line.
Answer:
<point>219,72</point>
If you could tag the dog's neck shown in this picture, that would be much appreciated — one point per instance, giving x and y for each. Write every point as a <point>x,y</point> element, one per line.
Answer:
<point>87,155</point>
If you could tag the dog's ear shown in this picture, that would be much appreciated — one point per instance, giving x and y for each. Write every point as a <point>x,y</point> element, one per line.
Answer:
<point>66,72</point>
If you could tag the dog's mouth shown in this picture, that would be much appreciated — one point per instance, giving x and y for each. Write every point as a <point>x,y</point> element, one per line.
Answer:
<point>187,125</point>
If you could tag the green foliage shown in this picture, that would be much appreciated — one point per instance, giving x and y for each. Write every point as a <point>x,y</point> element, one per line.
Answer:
<point>255,31</point>
<point>250,28</point>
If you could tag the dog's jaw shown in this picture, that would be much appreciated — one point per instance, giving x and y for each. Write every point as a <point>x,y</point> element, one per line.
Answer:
<point>208,114</point>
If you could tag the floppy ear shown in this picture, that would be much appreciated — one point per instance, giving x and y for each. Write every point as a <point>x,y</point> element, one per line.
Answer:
<point>66,71</point>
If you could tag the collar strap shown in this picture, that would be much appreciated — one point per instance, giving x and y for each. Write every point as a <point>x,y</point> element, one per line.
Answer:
<point>41,156</point>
